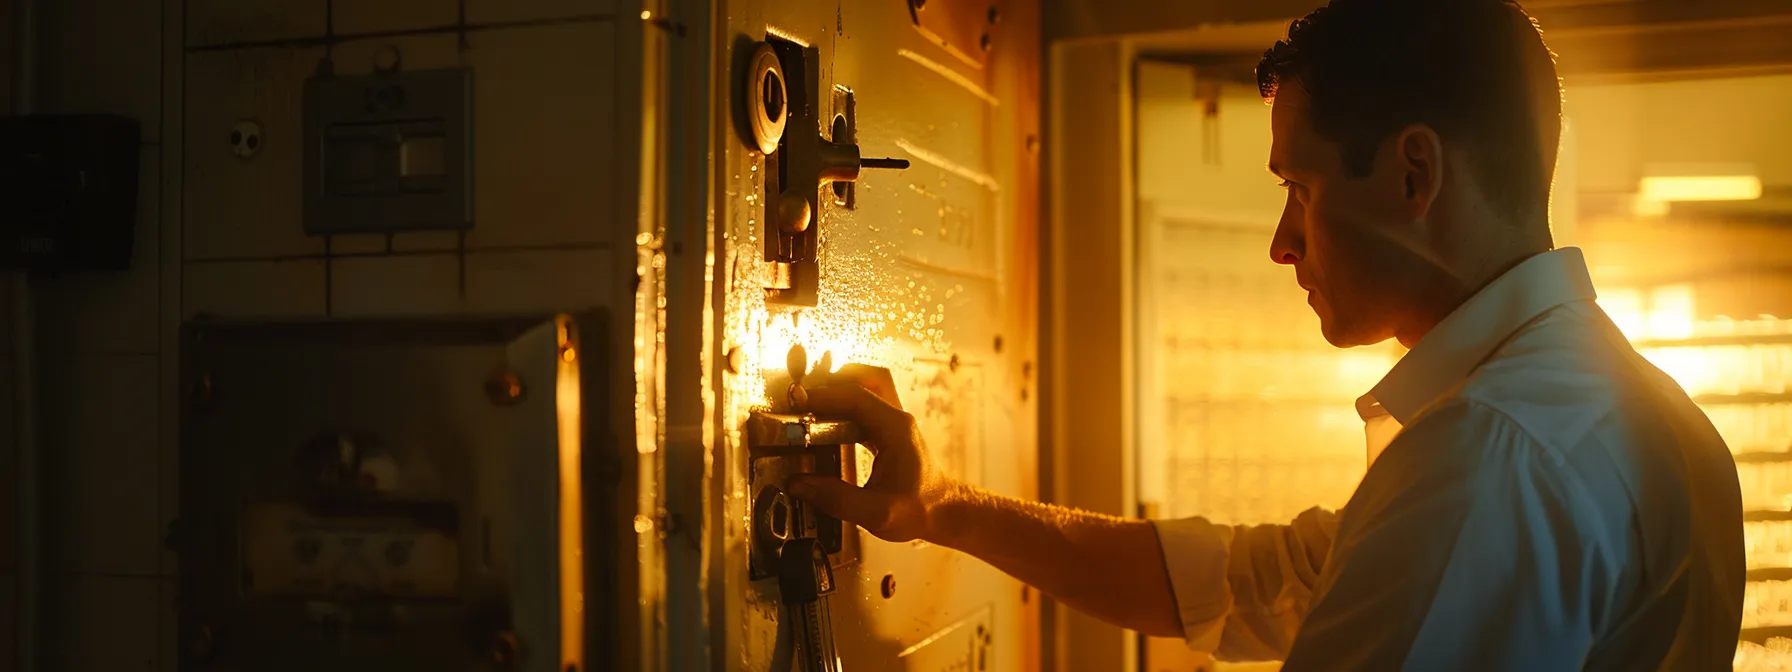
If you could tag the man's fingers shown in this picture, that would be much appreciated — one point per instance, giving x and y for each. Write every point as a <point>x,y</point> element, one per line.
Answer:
<point>877,380</point>
<point>865,508</point>
<point>858,404</point>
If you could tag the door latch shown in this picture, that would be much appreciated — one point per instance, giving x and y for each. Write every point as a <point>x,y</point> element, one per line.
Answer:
<point>783,120</point>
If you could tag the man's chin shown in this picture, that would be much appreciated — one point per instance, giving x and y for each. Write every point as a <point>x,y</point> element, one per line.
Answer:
<point>1340,336</point>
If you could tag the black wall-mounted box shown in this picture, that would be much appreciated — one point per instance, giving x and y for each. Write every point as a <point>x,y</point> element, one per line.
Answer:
<point>68,191</point>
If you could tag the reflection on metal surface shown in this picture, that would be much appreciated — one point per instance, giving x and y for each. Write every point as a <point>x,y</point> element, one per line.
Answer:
<point>569,422</point>
<point>960,27</point>
<point>959,646</point>
<point>781,434</point>
<point>951,75</point>
<point>767,104</point>
<point>939,161</point>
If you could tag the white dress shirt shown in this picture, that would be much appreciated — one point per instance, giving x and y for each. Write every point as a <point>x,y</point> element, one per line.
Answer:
<point>1546,500</point>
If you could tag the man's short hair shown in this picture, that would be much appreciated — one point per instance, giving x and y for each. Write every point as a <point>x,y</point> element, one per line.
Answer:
<point>1475,71</point>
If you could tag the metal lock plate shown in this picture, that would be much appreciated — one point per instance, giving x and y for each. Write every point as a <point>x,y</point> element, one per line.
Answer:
<point>782,445</point>
<point>809,161</point>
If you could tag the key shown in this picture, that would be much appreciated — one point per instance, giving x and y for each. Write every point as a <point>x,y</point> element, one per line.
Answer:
<point>805,580</point>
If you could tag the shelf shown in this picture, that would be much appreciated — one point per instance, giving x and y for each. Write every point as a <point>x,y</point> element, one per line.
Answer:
<point>1761,456</point>
<point>1763,516</point>
<point>1716,341</point>
<point>1770,574</point>
<point>1740,399</point>
<point>1762,634</point>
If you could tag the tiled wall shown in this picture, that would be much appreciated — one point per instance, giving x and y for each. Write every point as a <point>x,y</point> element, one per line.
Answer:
<point>221,235</point>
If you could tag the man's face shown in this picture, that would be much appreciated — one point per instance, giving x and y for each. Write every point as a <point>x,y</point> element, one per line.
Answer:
<point>1338,231</point>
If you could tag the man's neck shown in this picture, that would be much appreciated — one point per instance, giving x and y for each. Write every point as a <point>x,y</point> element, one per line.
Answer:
<point>1454,287</point>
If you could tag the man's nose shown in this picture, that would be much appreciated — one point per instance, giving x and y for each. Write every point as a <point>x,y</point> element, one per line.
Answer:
<point>1287,246</point>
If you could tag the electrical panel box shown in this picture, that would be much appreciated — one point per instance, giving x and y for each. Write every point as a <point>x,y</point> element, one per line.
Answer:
<point>389,152</point>
<point>417,495</point>
<point>68,186</point>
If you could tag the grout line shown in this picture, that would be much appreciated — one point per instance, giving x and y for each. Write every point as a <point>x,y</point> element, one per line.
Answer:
<point>91,574</point>
<point>328,40</point>
<point>76,354</point>
<point>468,251</point>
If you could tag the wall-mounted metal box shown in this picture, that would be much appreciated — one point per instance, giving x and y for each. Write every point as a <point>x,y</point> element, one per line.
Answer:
<point>389,152</point>
<point>419,495</point>
<point>68,187</point>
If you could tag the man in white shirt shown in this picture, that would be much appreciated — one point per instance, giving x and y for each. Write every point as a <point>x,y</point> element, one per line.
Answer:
<point>1539,496</point>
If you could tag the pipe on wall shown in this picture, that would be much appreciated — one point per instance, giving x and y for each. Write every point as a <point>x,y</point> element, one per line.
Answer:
<point>30,463</point>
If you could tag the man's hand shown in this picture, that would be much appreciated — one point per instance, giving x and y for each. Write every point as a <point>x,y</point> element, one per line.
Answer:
<point>1109,567</point>
<point>898,499</point>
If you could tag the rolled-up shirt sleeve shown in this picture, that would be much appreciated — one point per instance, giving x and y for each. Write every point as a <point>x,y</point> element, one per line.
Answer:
<point>1241,591</point>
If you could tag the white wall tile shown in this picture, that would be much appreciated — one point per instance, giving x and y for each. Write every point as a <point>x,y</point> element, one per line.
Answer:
<point>416,52</point>
<point>544,140</point>
<point>522,282</point>
<point>123,78</point>
<point>213,22</point>
<point>498,11</point>
<point>427,241</point>
<point>167,470</point>
<point>9,616</point>
<point>99,435</point>
<point>103,623</point>
<point>396,285</point>
<point>112,311</point>
<point>250,207</point>
<point>168,640</point>
<point>370,16</point>
<point>358,243</point>
<point>9,478</point>
<point>253,288</point>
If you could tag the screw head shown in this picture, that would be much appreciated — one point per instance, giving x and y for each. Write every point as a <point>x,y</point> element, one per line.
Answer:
<point>388,60</point>
<point>504,387</point>
<point>889,586</point>
<point>737,360</point>
<point>199,394</point>
<point>199,643</point>
<point>504,647</point>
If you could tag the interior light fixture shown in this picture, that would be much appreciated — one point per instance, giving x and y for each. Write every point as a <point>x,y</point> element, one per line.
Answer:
<point>1669,184</point>
<point>1701,188</point>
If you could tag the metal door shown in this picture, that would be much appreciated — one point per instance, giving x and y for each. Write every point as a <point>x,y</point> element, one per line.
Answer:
<point>929,271</point>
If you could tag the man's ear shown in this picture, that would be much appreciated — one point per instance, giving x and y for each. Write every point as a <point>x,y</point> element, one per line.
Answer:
<point>1419,156</point>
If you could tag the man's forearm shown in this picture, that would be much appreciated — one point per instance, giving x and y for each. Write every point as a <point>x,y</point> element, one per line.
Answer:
<point>1108,567</point>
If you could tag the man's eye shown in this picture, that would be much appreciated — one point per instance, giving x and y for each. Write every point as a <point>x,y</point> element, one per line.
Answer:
<point>1285,184</point>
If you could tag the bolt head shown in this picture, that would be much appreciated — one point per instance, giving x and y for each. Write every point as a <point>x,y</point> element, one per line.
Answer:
<point>504,388</point>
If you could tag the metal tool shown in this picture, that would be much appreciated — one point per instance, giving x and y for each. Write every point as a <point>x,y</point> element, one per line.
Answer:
<point>805,580</point>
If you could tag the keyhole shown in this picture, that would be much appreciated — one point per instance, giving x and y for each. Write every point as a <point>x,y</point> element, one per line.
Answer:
<point>773,95</point>
<point>780,520</point>
<point>840,137</point>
